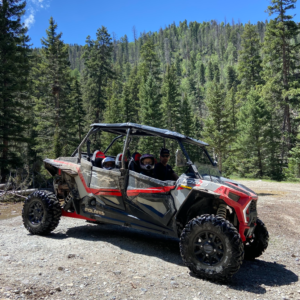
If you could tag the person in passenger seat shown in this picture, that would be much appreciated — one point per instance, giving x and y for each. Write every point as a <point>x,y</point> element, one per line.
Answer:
<point>108,163</point>
<point>147,165</point>
<point>162,170</point>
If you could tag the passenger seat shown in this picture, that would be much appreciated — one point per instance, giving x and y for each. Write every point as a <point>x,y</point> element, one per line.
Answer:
<point>119,161</point>
<point>134,164</point>
<point>97,158</point>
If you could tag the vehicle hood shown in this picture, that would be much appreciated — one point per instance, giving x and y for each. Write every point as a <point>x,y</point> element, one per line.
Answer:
<point>230,183</point>
<point>212,183</point>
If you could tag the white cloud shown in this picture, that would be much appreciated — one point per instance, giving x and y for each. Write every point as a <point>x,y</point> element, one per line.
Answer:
<point>29,21</point>
<point>33,6</point>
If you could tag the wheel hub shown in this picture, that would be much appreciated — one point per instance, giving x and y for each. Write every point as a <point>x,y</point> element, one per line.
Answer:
<point>35,213</point>
<point>209,248</point>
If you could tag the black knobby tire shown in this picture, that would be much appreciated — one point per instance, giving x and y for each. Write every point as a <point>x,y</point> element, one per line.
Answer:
<point>211,247</point>
<point>255,246</point>
<point>41,212</point>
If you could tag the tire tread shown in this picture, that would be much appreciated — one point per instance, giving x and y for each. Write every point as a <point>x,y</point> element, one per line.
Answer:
<point>53,212</point>
<point>230,231</point>
<point>260,244</point>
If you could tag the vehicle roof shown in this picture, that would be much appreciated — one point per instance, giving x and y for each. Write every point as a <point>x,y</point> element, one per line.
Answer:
<point>144,130</point>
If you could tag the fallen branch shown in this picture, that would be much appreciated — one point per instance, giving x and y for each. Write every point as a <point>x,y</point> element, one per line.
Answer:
<point>25,192</point>
<point>11,194</point>
<point>5,186</point>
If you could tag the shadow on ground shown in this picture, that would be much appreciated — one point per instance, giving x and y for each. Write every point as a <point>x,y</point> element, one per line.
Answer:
<point>253,276</point>
<point>256,276</point>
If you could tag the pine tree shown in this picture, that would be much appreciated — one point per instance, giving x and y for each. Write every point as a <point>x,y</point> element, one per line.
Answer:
<point>14,72</point>
<point>202,74</point>
<point>112,112</point>
<point>249,64</point>
<point>210,71</point>
<point>34,91</point>
<point>217,130</point>
<point>275,160</point>
<point>53,104</point>
<point>281,63</point>
<point>186,117</point>
<point>294,161</point>
<point>231,77</point>
<point>150,61</point>
<point>134,83</point>
<point>170,100</point>
<point>112,115</point>
<point>178,64</point>
<point>231,100</point>
<point>130,100</point>
<point>252,143</point>
<point>129,112</point>
<point>197,128</point>
<point>98,71</point>
<point>77,111</point>
<point>216,73</point>
<point>151,113</point>
<point>192,86</point>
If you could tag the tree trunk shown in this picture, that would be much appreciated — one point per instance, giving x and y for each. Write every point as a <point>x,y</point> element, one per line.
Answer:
<point>220,162</point>
<point>287,116</point>
<point>4,157</point>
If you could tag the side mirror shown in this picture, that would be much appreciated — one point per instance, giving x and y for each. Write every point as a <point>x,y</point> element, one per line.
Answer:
<point>180,159</point>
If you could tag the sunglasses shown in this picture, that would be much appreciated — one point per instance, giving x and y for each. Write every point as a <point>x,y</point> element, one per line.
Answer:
<point>167,155</point>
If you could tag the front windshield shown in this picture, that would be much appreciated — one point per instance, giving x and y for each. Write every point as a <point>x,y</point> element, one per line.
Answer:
<point>200,159</point>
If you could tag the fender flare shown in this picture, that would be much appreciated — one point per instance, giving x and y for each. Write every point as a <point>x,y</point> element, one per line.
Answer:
<point>54,167</point>
<point>197,196</point>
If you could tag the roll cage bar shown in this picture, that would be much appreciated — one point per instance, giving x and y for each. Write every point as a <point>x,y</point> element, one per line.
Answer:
<point>130,129</point>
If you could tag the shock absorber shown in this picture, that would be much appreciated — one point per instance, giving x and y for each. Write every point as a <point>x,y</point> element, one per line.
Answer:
<point>222,210</point>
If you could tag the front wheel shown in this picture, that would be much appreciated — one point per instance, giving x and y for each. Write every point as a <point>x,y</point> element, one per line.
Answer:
<point>211,247</point>
<point>258,243</point>
<point>41,212</point>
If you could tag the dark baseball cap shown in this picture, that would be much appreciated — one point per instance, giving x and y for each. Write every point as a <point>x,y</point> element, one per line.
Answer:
<point>164,151</point>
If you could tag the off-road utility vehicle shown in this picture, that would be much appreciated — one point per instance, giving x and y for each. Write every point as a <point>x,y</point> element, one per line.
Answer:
<point>215,218</point>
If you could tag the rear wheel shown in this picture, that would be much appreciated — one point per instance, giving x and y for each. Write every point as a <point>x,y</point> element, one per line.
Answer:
<point>211,247</point>
<point>258,243</point>
<point>41,212</point>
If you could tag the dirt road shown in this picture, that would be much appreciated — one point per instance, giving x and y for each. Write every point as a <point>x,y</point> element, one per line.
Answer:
<point>87,261</point>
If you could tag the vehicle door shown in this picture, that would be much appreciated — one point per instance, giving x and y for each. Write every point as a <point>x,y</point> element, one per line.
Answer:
<point>105,185</point>
<point>152,196</point>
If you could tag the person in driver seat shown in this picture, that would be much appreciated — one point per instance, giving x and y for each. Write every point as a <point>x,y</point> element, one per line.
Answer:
<point>108,163</point>
<point>147,163</point>
<point>162,170</point>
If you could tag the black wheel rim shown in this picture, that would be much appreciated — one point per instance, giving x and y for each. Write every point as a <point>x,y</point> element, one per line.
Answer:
<point>35,212</point>
<point>209,248</point>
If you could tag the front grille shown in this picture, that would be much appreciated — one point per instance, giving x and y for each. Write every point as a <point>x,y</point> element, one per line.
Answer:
<point>251,214</point>
<point>252,206</point>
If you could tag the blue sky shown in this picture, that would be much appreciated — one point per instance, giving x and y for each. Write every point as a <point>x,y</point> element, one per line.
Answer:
<point>78,19</point>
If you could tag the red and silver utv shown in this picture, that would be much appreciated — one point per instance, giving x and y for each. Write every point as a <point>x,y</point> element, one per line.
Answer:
<point>214,218</point>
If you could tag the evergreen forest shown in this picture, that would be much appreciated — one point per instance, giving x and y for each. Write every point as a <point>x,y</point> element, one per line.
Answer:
<point>235,86</point>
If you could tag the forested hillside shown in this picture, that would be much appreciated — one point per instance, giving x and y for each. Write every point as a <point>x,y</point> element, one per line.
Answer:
<point>233,85</point>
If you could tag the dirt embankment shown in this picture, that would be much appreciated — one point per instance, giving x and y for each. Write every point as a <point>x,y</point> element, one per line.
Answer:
<point>87,261</point>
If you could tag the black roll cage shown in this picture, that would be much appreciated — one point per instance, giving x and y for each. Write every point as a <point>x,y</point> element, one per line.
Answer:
<point>128,140</point>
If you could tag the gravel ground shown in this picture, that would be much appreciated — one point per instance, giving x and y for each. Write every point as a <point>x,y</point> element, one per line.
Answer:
<point>86,261</point>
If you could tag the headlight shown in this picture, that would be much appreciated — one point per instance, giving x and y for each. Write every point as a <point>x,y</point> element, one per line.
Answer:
<point>234,197</point>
